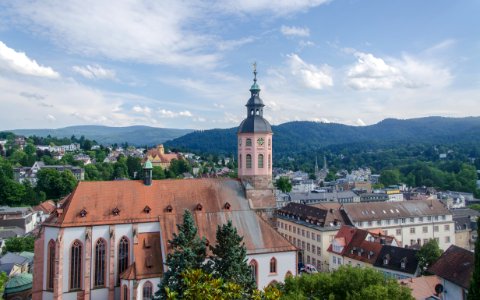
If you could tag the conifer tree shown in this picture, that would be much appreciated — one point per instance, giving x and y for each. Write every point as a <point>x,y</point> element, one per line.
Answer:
<point>189,252</point>
<point>230,258</point>
<point>474,290</point>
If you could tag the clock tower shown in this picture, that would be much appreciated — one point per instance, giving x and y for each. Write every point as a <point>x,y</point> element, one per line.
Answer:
<point>255,152</point>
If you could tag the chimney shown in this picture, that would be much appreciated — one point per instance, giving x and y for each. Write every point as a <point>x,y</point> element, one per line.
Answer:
<point>147,173</point>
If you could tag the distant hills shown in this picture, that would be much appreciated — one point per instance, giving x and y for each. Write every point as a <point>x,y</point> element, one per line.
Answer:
<point>302,135</point>
<point>133,135</point>
<point>288,137</point>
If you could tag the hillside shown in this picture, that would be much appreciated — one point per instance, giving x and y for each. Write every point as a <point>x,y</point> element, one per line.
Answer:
<point>302,135</point>
<point>133,135</point>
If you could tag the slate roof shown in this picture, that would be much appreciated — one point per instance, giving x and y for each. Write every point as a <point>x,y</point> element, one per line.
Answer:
<point>11,257</point>
<point>395,257</point>
<point>372,211</point>
<point>455,265</point>
<point>125,202</point>
<point>254,124</point>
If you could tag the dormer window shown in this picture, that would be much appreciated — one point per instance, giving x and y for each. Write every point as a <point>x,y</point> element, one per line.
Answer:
<point>386,260</point>
<point>199,207</point>
<point>227,206</point>
<point>146,243</point>
<point>83,213</point>
<point>147,209</point>
<point>169,208</point>
<point>116,211</point>
<point>403,263</point>
<point>149,261</point>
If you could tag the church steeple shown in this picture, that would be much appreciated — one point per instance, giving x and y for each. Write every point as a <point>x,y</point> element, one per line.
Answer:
<point>255,104</point>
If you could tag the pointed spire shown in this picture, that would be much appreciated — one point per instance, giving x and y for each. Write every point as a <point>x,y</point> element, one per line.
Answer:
<point>254,89</point>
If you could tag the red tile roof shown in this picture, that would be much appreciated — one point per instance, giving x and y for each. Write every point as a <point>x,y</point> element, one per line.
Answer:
<point>47,207</point>
<point>455,265</point>
<point>148,258</point>
<point>167,200</point>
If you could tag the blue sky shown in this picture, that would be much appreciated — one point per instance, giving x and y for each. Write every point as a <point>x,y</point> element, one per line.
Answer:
<point>187,64</point>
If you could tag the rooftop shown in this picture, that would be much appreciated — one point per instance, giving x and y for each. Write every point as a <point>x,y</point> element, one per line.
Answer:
<point>455,265</point>
<point>397,259</point>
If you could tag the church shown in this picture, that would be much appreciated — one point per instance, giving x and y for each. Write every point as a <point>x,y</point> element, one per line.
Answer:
<point>109,239</point>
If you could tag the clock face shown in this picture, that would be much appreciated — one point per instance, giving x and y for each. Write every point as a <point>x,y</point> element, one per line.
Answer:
<point>260,141</point>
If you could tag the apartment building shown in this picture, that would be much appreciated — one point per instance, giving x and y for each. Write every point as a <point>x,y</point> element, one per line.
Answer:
<point>311,229</point>
<point>412,223</point>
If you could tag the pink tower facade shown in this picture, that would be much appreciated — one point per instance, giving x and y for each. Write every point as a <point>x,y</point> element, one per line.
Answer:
<point>255,145</point>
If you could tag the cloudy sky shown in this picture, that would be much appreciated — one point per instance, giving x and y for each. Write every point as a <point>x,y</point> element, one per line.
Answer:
<point>187,64</point>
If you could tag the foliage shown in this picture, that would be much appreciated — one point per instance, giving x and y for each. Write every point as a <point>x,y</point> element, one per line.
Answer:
<point>345,283</point>
<point>390,177</point>
<point>230,258</point>
<point>284,184</point>
<point>19,244</point>
<point>428,254</point>
<point>474,290</point>
<point>55,184</point>
<point>189,252</point>
<point>475,207</point>
<point>158,173</point>
<point>3,281</point>
<point>200,285</point>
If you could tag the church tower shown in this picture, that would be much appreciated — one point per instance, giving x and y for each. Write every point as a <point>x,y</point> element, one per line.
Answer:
<point>255,152</point>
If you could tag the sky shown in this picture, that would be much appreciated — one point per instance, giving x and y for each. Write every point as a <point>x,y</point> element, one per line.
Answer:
<point>188,64</point>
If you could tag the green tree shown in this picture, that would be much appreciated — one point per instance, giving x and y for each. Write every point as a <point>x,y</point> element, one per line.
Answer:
<point>200,285</point>
<point>19,244</point>
<point>189,252</point>
<point>474,290</point>
<point>134,166</point>
<point>158,173</point>
<point>389,177</point>
<point>11,192</point>
<point>55,184</point>
<point>428,254</point>
<point>230,258</point>
<point>345,283</point>
<point>284,184</point>
<point>3,281</point>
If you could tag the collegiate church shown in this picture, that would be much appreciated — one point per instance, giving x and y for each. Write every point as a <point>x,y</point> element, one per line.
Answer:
<point>109,239</point>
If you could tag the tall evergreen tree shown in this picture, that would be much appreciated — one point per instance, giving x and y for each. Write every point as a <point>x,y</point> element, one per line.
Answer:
<point>230,258</point>
<point>474,290</point>
<point>189,252</point>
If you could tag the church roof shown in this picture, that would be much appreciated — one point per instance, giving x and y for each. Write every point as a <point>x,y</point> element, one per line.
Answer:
<point>212,201</point>
<point>254,124</point>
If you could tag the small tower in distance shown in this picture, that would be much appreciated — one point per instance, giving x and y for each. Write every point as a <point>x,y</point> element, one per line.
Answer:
<point>147,173</point>
<point>255,152</point>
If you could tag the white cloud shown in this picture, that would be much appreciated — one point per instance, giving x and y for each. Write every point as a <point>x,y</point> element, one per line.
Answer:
<point>310,75</point>
<point>145,110</point>
<point>372,73</point>
<point>20,63</point>
<point>278,7</point>
<point>295,31</point>
<point>158,32</point>
<point>51,118</point>
<point>94,72</point>
<point>360,122</point>
<point>165,113</point>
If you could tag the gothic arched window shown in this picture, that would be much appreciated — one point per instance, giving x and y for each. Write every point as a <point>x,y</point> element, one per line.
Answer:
<point>249,161</point>
<point>76,265</point>
<point>123,248</point>
<point>248,142</point>
<point>273,265</point>
<point>254,269</point>
<point>51,264</point>
<point>100,262</point>
<point>260,160</point>
<point>148,291</point>
<point>125,292</point>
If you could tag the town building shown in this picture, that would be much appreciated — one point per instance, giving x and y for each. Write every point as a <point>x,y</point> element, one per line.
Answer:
<point>465,227</point>
<point>22,217</point>
<point>159,158</point>
<point>455,268</point>
<point>410,222</point>
<point>373,197</point>
<point>397,262</point>
<point>109,239</point>
<point>19,287</point>
<point>311,229</point>
<point>21,174</point>
<point>423,287</point>
<point>319,196</point>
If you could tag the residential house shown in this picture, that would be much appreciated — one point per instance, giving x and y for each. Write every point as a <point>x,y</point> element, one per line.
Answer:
<point>21,217</point>
<point>455,269</point>
<point>423,287</point>
<point>13,263</point>
<point>465,227</point>
<point>319,196</point>
<point>397,262</point>
<point>159,158</point>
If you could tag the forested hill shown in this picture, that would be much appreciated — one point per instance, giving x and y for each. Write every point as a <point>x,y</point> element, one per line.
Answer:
<point>133,135</point>
<point>302,135</point>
